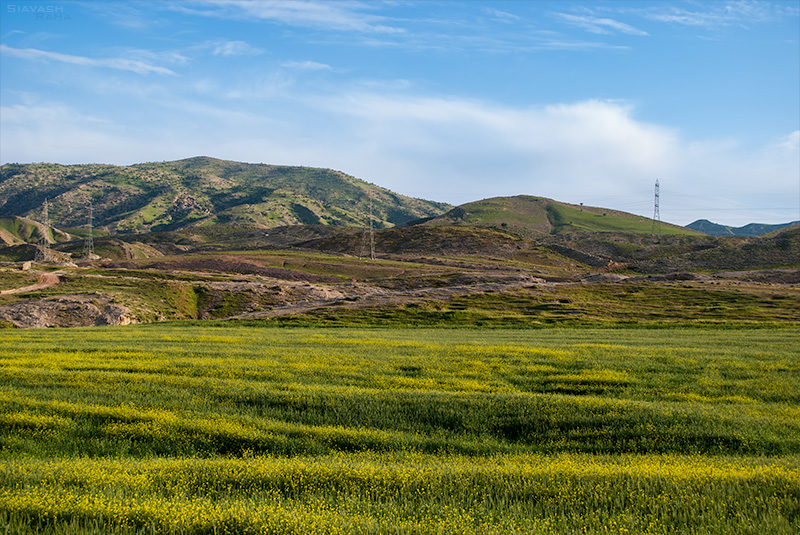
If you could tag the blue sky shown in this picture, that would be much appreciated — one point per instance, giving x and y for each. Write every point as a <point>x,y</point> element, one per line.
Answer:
<point>455,101</point>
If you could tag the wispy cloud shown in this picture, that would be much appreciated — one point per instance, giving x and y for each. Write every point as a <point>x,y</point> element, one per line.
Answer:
<point>342,15</point>
<point>791,143</point>
<point>720,14</point>
<point>306,66</point>
<point>235,48</point>
<point>121,14</point>
<point>123,64</point>
<point>501,16</point>
<point>600,25</point>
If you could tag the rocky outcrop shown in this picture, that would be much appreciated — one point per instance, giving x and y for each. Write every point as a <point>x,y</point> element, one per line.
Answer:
<point>66,311</point>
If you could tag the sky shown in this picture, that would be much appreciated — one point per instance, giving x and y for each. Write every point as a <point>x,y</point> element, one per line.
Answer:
<point>455,101</point>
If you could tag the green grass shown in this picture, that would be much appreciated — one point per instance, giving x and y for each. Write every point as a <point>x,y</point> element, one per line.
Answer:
<point>620,303</point>
<point>27,231</point>
<point>10,279</point>
<point>213,428</point>
<point>531,216</point>
<point>566,218</point>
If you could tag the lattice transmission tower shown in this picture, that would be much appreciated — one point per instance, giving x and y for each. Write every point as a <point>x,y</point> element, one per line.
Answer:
<point>656,230</point>
<point>88,243</point>
<point>43,252</point>
<point>369,235</point>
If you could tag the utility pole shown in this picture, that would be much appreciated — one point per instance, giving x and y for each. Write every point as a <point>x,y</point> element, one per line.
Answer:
<point>88,243</point>
<point>656,229</point>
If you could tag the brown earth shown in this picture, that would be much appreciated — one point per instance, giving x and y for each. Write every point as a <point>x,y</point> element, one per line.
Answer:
<point>66,311</point>
<point>230,265</point>
<point>46,280</point>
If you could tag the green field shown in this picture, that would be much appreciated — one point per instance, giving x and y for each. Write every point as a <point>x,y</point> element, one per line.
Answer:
<point>216,428</point>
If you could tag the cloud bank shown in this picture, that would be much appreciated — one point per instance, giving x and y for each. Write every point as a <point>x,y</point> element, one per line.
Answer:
<point>446,149</point>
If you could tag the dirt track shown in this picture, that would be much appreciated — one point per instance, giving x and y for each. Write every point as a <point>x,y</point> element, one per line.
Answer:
<point>46,280</point>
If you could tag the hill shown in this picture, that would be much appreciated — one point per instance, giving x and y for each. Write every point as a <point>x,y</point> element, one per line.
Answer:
<point>753,229</point>
<point>198,192</point>
<point>529,216</point>
<point>20,230</point>
<point>778,248</point>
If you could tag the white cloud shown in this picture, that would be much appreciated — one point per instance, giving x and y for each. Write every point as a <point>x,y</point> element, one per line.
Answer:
<point>341,15</point>
<point>442,148</point>
<point>458,150</point>
<point>124,64</point>
<point>306,65</point>
<point>718,14</point>
<point>600,25</point>
<point>53,133</point>
<point>121,14</point>
<point>791,143</point>
<point>501,16</point>
<point>235,48</point>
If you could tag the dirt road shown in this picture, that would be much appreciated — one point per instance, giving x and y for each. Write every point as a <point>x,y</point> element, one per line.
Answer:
<point>46,280</point>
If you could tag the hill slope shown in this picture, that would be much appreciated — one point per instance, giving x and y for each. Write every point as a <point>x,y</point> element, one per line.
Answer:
<point>753,229</point>
<point>20,230</point>
<point>778,248</point>
<point>535,216</point>
<point>200,191</point>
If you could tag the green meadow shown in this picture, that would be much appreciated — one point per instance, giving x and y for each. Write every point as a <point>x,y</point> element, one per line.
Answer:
<point>222,428</point>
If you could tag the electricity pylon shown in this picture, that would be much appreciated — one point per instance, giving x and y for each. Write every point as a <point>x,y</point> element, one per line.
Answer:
<point>88,243</point>
<point>656,230</point>
<point>43,252</point>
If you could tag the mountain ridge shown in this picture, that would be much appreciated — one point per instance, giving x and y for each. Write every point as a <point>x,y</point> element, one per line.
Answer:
<point>158,196</point>
<point>206,191</point>
<point>751,229</point>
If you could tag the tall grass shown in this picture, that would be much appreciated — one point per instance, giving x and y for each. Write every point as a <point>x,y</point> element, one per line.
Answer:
<point>197,429</point>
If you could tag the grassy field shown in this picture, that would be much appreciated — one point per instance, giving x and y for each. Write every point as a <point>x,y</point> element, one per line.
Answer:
<point>216,428</point>
<point>622,303</point>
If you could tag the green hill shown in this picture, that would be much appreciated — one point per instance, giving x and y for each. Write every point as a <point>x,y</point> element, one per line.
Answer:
<point>535,216</point>
<point>20,230</point>
<point>753,229</point>
<point>198,192</point>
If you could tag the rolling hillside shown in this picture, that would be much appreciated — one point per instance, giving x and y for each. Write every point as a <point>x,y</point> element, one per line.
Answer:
<point>753,229</point>
<point>200,191</point>
<point>535,216</point>
<point>20,230</point>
